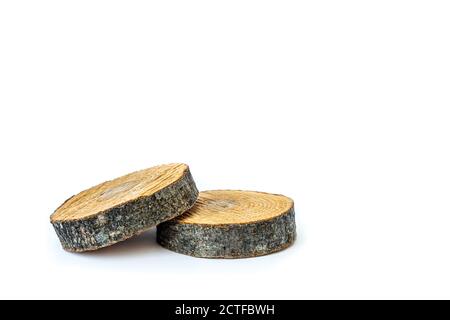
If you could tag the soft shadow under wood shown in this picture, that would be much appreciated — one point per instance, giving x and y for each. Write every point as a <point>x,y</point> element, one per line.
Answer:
<point>144,243</point>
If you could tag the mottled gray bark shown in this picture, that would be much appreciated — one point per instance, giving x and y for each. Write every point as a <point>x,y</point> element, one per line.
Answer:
<point>129,219</point>
<point>228,241</point>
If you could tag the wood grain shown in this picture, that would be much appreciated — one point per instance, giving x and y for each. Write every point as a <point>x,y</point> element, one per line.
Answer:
<point>231,224</point>
<point>116,210</point>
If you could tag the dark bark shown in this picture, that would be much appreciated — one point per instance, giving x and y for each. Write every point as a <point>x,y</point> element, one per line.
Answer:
<point>131,218</point>
<point>231,240</point>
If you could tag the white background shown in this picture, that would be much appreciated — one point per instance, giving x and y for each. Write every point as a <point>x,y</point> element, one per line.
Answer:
<point>342,105</point>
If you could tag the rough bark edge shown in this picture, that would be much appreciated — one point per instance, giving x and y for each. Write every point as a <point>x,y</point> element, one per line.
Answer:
<point>231,241</point>
<point>129,219</point>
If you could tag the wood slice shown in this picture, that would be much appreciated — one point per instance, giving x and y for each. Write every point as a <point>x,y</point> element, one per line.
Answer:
<point>119,209</point>
<point>231,224</point>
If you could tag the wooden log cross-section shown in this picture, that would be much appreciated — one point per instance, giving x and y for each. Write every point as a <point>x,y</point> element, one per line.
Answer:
<point>119,209</point>
<point>231,224</point>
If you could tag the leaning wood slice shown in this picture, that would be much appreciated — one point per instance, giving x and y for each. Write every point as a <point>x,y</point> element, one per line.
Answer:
<point>231,224</point>
<point>119,209</point>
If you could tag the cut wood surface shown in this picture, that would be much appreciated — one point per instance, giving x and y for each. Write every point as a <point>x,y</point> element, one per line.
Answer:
<point>119,209</point>
<point>231,224</point>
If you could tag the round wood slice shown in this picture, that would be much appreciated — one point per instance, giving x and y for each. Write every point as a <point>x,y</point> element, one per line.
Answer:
<point>231,224</point>
<point>119,209</point>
